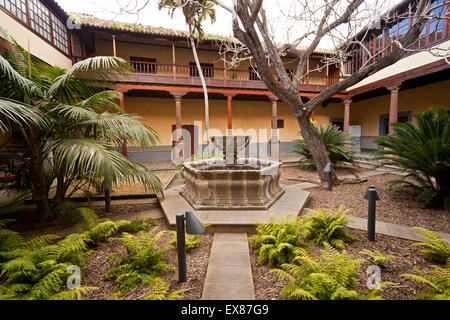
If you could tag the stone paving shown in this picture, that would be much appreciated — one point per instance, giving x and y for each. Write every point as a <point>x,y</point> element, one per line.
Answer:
<point>229,275</point>
<point>291,203</point>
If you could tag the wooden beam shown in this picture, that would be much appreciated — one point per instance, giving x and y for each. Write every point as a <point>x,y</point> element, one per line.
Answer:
<point>150,87</point>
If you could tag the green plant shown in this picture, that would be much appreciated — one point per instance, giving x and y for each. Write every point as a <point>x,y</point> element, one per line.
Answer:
<point>159,290</point>
<point>326,226</point>
<point>144,260</point>
<point>37,268</point>
<point>328,276</point>
<point>70,116</point>
<point>422,151</point>
<point>378,258</point>
<point>435,249</point>
<point>278,241</point>
<point>337,143</point>
<point>435,282</point>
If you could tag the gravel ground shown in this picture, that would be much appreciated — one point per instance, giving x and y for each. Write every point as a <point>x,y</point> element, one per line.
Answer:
<point>401,209</point>
<point>270,287</point>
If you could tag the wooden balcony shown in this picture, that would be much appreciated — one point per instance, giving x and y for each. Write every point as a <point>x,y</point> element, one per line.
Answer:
<point>187,75</point>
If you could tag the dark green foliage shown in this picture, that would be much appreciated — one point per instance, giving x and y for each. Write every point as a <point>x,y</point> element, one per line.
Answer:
<point>435,283</point>
<point>144,261</point>
<point>277,242</point>
<point>337,143</point>
<point>37,269</point>
<point>422,151</point>
<point>326,226</point>
<point>435,249</point>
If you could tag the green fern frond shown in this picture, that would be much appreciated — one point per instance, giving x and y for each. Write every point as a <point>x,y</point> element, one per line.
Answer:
<point>435,249</point>
<point>73,294</point>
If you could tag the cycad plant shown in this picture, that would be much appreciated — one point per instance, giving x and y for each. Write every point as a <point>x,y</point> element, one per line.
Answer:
<point>278,241</point>
<point>70,117</point>
<point>422,151</point>
<point>337,143</point>
<point>325,226</point>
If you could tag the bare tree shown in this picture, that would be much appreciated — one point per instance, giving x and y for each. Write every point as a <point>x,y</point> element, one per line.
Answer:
<point>338,21</point>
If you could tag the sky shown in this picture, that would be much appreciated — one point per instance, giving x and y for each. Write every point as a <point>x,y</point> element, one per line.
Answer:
<point>107,9</point>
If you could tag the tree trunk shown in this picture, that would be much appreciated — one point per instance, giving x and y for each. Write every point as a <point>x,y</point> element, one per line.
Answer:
<point>60,189</point>
<point>37,177</point>
<point>316,147</point>
<point>205,90</point>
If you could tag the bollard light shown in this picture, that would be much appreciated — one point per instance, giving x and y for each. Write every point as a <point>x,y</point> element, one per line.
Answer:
<point>372,196</point>
<point>329,169</point>
<point>193,226</point>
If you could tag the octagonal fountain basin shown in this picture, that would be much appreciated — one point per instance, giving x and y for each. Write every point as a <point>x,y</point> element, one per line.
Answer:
<point>249,184</point>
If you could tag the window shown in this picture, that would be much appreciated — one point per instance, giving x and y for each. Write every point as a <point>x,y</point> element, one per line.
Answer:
<point>60,34</point>
<point>253,74</point>
<point>17,7</point>
<point>144,65</point>
<point>280,124</point>
<point>437,25</point>
<point>207,69</point>
<point>40,19</point>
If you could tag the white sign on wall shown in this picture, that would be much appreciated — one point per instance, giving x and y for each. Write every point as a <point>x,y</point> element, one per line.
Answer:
<point>355,134</point>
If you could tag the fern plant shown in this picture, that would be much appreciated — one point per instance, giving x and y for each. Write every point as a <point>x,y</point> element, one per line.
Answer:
<point>435,249</point>
<point>159,290</point>
<point>144,261</point>
<point>278,241</point>
<point>327,226</point>
<point>378,257</point>
<point>328,276</point>
<point>435,283</point>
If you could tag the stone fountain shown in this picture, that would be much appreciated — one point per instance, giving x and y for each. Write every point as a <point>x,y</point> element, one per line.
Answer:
<point>232,182</point>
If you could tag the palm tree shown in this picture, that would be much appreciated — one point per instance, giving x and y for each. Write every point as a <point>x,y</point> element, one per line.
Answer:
<point>73,125</point>
<point>195,12</point>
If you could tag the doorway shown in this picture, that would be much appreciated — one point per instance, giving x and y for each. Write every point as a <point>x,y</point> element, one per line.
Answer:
<point>190,134</point>
<point>403,117</point>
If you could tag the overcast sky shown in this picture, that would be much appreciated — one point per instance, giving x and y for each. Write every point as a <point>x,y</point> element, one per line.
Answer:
<point>106,9</point>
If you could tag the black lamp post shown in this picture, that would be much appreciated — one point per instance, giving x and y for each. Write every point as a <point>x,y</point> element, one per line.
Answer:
<point>193,226</point>
<point>373,197</point>
<point>329,169</point>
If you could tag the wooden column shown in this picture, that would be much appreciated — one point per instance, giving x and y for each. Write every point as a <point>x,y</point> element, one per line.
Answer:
<point>229,113</point>
<point>393,109</point>
<point>178,122</point>
<point>122,106</point>
<point>274,141</point>
<point>114,46</point>
<point>347,103</point>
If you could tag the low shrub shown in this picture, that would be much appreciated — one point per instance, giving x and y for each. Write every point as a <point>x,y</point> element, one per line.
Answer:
<point>277,242</point>
<point>436,249</point>
<point>435,283</point>
<point>328,276</point>
<point>326,226</point>
<point>378,258</point>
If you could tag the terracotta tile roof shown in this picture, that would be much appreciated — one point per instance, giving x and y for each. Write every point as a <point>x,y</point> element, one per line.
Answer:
<point>90,21</point>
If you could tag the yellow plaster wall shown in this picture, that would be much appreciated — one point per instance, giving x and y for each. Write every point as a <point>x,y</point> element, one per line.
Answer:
<point>249,116</point>
<point>367,112</point>
<point>38,47</point>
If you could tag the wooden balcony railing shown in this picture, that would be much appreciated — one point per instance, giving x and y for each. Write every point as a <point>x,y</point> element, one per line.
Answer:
<point>151,72</point>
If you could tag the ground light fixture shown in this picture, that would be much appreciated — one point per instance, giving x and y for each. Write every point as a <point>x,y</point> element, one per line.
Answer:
<point>193,226</point>
<point>373,197</point>
<point>329,169</point>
